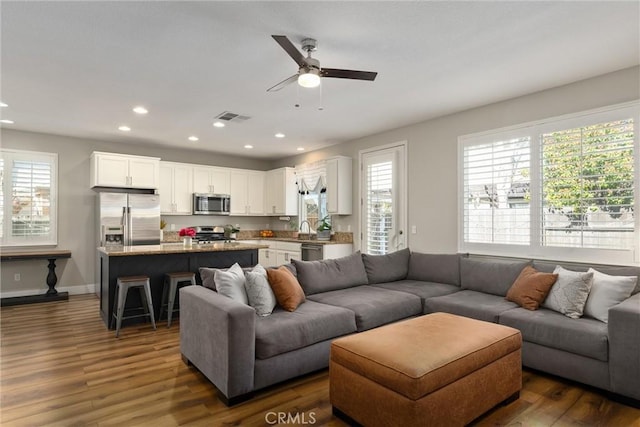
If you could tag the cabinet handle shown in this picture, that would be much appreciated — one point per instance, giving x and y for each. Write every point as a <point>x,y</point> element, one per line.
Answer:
<point>286,256</point>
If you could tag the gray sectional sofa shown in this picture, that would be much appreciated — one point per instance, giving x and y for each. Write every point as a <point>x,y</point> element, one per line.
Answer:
<point>240,352</point>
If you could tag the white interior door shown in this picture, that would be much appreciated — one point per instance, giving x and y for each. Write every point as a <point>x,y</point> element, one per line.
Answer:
<point>383,199</point>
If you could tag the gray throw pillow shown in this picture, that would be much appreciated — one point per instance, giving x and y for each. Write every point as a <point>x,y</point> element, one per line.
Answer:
<point>606,292</point>
<point>331,274</point>
<point>387,268</point>
<point>259,293</point>
<point>570,292</point>
<point>230,283</point>
<point>208,275</point>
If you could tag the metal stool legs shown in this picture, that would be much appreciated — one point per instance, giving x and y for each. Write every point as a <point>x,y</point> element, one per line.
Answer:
<point>171,282</point>
<point>123,285</point>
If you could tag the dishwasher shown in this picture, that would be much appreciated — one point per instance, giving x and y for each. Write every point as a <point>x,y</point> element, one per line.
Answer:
<point>311,252</point>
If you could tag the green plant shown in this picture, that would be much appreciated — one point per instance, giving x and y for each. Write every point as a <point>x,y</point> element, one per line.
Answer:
<point>163,224</point>
<point>325,224</point>
<point>293,224</point>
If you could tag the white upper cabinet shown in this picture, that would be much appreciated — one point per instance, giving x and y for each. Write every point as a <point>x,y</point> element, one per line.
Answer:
<point>281,192</point>
<point>124,171</point>
<point>175,188</point>
<point>339,183</point>
<point>210,179</point>
<point>247,192</point>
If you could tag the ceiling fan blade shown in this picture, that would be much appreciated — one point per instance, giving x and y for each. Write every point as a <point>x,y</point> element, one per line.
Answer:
<point>294,53</point>
<point>283,83</point>
<point>348,74</point>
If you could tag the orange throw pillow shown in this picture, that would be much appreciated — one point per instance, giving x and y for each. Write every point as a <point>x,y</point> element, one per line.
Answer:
<point>286,288</point>
<point>531,288</point>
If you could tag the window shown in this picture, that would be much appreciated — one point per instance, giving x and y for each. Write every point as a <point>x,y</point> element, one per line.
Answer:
<point>383,198</point>
<point>311,182</point>
<point>561,189</point>
<point>28,198</point>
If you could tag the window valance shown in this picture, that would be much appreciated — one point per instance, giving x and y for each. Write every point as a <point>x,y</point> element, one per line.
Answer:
<point>312,177</point>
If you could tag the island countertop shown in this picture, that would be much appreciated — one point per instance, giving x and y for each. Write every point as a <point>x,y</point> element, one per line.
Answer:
<point>178,248</point>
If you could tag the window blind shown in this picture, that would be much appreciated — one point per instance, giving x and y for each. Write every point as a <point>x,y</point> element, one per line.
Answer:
<point>496,192</point>
<point>379,206</point>
<point>28,214</point>
<point>588,186</point>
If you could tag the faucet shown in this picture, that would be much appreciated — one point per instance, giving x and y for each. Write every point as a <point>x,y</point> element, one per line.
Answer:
<point>308,227</point>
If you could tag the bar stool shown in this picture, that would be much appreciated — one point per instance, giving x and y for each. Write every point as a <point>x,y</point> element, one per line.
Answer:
<point>171,284</point>
<point>123,284</point>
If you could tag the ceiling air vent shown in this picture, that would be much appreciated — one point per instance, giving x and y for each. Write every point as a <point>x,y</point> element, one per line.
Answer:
<point>228,116</point>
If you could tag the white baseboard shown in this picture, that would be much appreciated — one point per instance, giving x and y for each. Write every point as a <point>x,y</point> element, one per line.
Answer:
<point>89,288</point>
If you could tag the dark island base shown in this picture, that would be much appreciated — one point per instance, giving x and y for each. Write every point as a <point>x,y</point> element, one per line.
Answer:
<point>32,299</point>
<point>155,266</point>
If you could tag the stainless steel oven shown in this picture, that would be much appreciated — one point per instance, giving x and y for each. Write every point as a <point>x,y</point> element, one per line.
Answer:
<point>211,204</point>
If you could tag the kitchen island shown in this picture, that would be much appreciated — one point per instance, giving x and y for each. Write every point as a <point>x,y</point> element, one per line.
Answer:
<point>156,260</point>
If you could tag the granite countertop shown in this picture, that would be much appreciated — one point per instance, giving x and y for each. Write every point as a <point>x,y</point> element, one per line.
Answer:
<point>177,248</point>
<point>292,240</point>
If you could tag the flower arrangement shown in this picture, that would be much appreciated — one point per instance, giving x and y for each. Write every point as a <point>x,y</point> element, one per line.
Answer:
<point>187,232</point>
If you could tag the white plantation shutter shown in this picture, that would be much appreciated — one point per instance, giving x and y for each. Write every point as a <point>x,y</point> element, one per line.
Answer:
<point>496,192</point>
<point>379,206</point>
<point>588,186</point>
<point>28,198</point>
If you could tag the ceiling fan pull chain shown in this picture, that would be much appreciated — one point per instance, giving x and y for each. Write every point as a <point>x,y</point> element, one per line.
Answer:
<point>320,107</point>
<point>297,104</point>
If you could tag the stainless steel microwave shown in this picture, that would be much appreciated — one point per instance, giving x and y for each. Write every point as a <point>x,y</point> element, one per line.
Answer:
<point>211,204</point>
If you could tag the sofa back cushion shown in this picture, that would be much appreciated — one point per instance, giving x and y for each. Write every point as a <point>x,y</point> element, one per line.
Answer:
<point>438,268</point>
<point>612,270</point>
<point>387,268</point>
<point>490,276</point>
<point>331,274</point>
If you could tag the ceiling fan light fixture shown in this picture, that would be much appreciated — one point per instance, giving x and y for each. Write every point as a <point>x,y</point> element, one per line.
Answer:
<point>309,79</point>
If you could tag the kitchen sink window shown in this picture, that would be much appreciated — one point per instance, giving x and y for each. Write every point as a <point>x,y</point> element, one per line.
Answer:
<point>311,181</point>
<point>28,195</point>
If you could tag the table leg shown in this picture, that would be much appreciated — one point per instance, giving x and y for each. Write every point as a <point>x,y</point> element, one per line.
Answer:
<point>52,279</point>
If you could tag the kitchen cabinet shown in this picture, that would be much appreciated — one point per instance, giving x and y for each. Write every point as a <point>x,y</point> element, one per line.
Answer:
<point>124,171</point>
<point>278,253</point>
<point>339,186</point>
<point>175,188</point>
<point>211,179</point>
<point>281,193</point>
<point>247,192</point>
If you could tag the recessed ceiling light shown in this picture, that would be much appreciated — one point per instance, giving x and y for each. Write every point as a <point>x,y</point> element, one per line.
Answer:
<point>193,138</point>
<point>218,124</point>
<point>2,104</point>
<point>124,128</point>
<point>7,121</point>
<point>300,148</point>
<point>248,146</point>
<point>140,110</point>
<point>279,135</point>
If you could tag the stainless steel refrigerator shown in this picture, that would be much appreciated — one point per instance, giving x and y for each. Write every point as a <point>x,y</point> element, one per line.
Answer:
<point>137,215</point>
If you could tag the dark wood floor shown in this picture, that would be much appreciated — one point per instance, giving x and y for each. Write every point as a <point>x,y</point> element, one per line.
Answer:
<point>61,366</point>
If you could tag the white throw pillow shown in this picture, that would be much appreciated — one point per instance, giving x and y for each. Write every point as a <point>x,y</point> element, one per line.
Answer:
<point>230,283</point>
<point>606,292</point>
<point>259,293</point>
<point>570,292</point>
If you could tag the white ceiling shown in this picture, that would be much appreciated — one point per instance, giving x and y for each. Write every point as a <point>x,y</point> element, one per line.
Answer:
<point>78,68</point>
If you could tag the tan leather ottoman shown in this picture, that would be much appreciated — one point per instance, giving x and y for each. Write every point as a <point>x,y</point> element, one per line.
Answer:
<point>438,369</point>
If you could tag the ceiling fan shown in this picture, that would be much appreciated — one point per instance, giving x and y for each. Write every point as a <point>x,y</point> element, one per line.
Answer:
<point>309,73</point>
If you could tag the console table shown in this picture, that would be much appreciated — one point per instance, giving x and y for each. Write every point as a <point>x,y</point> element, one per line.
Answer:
<point>52,294</point>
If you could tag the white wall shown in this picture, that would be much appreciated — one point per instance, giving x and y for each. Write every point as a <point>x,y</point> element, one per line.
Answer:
<point>432,149</point>
<point>76,210</point>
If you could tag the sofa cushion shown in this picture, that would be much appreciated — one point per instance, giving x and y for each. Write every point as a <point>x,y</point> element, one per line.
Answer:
<point>586,337</point>
<point>259,292</point>
<point>531,288</point>
<point>331,274</point>
<point>373,306</point>
<point>569,294</point>
<point>606,292</point>
<point>312,322</point>
<point>477,305</point>
<point>489,276</point>
<point>424,290</point>
<point>437,268</point>
<point>285,287</point>
<point>230,283</point>
<point>386,268</point>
